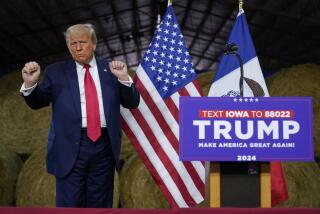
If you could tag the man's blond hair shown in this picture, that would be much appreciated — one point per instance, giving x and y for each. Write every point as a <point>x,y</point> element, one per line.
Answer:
<point>81,28</point>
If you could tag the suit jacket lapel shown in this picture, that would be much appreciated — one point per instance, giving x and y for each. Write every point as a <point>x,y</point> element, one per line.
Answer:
<point>103,76</point>
<point>71,73</point>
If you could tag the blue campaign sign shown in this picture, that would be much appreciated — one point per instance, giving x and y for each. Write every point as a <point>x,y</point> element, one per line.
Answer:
<point>246,129</point>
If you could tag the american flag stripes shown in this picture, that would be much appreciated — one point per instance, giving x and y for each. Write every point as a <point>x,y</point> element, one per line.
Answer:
<point>164,75</point>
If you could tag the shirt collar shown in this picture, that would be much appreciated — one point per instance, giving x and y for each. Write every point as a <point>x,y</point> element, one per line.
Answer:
<point>92,63</point>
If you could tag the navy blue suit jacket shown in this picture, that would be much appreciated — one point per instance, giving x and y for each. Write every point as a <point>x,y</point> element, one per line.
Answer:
<point>60,87</point>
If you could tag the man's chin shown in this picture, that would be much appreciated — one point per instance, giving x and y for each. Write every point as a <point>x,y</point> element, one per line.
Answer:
<point>82,60</point>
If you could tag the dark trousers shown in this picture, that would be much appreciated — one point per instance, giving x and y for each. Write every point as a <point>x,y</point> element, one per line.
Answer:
<point>90,182</point>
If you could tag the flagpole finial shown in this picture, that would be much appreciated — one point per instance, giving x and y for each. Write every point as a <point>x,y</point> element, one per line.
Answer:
<point>158,21</point>
<point>169,3</point>
<point>240,5</point>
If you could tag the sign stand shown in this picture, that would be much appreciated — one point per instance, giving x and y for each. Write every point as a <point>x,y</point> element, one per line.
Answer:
<point>231,186</point>
<point>265,185</point>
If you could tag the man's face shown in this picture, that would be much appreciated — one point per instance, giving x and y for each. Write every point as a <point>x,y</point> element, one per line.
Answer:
<point>81,47</point>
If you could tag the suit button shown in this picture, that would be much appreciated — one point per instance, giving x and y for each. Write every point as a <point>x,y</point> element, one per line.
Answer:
<point>77,143</point>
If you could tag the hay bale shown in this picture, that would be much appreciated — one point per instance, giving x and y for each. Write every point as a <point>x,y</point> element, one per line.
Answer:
<point>10,165</point>
<point>303,180</point>
<point>116,190</point>
<point>137,187</point>
<point>127,149</point>
<point>300,80</point>
<point>23,129</point>
<point>37,188</point>
<point>10,82</point>
<point>205,80</point>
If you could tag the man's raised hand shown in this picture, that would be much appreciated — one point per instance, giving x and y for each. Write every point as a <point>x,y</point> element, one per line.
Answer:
<point>30,74</point>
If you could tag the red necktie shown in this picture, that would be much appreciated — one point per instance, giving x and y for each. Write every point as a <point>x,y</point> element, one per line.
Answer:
<point>92,104</point>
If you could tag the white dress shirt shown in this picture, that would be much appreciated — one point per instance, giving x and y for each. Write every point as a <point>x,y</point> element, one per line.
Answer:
<point>95,76</point>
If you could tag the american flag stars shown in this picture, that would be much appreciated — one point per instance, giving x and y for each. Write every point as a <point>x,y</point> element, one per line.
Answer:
<point>167,61</point>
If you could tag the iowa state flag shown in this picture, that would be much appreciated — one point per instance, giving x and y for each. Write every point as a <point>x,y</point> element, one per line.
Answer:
<point>226,84</point>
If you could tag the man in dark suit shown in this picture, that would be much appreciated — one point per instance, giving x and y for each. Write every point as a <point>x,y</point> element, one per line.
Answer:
<point>84,137</point>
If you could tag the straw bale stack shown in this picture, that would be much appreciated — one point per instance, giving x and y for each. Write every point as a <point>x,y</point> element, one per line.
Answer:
<point>205,81</point>
<point>23,129</point>
<point>300,80</point>
<point>127,148</point>
<point>137,187</point>
<point>37,188</point>
<point>303,181</point>
<point>10,165</point>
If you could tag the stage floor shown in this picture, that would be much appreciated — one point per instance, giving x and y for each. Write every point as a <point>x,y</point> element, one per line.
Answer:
<point>21,210</point>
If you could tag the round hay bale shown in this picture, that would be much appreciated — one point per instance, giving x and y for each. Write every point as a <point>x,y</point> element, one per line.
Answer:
<point>10,82</point>
<point>116,190</point>
<point>37,188</point>
<point>23,129</point>
<point>10,165</point>
<point>300,80</point>
<point>303,181</point>
<point>137,187</point>
<point>127,148</point>
<point>205,80</point>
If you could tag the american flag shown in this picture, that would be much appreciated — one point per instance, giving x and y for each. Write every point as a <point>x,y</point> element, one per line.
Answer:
<point>164,75</point>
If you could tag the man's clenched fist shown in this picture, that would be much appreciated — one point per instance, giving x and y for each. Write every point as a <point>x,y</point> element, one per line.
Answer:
<point>30,74</point>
